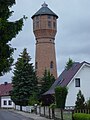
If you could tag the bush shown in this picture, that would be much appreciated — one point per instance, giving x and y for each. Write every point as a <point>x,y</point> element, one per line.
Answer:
<point>33,99</point>
<point>52,106</point>
<point>81,116</point>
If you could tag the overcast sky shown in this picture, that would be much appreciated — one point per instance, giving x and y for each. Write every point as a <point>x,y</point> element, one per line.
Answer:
<point>73,31</point>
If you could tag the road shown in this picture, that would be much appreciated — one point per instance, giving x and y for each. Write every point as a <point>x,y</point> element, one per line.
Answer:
<point>9,115</point>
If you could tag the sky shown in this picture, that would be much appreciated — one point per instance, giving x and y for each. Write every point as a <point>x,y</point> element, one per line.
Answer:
<point>73,31</point>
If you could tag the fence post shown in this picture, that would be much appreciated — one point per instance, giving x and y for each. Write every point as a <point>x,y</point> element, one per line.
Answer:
<point>40,110</point>
<point>61,114</point>
<point>72,114</point>
<point>53,113</point>
<point>35,107</point>
<point>49,113</point>
<point>44,110</point>
<point>20,107</point>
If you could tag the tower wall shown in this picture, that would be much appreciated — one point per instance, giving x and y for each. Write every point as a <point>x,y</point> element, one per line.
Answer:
<point>45,56</point>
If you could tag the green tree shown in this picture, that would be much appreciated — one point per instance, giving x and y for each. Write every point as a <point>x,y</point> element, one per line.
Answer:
<point>8,30</point>
<point>69,64</point>
<point>80,102</point>
<point>24,80</point>
<point>47,81</point>
<point>60,95</point>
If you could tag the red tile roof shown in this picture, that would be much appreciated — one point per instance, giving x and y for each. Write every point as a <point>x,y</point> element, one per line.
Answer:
<point>5,89</point>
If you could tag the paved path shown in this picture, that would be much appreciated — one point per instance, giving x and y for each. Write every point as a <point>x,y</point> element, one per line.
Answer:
<point>31,115</point>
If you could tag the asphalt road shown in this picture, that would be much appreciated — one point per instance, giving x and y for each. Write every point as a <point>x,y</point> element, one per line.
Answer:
<point>9,115</point>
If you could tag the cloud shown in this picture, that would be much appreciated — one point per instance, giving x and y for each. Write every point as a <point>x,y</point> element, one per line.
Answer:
<point>73,33</point>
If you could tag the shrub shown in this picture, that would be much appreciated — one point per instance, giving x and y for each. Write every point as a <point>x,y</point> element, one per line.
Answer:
<point>33,99</point>
<point>53,106</point>
<point>60,94</point>
<point>81,116</point>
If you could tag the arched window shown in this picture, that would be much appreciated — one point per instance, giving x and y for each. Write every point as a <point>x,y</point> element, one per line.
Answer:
<point>36,65</point>
<point>51,64</point>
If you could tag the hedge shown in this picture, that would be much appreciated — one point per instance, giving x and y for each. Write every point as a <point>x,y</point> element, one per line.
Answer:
<point>81,116</point>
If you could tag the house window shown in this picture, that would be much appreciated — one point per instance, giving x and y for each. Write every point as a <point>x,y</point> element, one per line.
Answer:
<point>49,24</point>
<point>51,64</point>
<point>4,102</point>
<point>9,102</point>
<point>77,82</point>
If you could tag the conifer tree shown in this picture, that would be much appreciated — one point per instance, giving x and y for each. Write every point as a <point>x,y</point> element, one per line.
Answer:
<point>47,80</point>
<point>80,102</point>
<point>24,80</point>
<point>69,64</point>
<point>8,30</point>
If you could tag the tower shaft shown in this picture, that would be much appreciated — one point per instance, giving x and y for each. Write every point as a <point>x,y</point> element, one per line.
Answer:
<point>45,57</point>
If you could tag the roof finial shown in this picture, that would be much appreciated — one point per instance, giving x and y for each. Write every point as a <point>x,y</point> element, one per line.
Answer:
<point>44,4</point>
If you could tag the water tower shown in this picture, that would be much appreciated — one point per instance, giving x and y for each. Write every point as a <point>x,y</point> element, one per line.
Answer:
<point>45,28</point>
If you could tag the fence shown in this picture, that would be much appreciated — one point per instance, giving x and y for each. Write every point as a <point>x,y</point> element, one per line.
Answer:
<point>53,113</point>
<point>25,108</point>
<point>87,111</point>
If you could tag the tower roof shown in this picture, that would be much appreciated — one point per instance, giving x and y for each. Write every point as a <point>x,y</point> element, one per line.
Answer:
<point>44,10</point>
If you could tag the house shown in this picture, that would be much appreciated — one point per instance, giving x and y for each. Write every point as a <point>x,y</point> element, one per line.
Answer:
<point>76,78</point>
<point>5,99</point>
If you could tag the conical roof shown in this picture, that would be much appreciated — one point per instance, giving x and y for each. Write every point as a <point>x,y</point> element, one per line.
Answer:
<point>44,10</point>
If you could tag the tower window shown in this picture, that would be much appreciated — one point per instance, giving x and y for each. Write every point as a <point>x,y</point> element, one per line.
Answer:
<point>37,17</point>
<point>49,24</point>
<point>34,25</point>
<point>54,24</point>
<point>77,82</point>
<point>37,24</point>
<point>49,17</point>
<point>36,65</point>
<point>51,64</point>
<point>54,17</point>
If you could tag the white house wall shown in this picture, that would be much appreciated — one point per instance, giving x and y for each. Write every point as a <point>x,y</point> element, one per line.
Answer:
<point>7,99</point>
<point>84,75</point>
